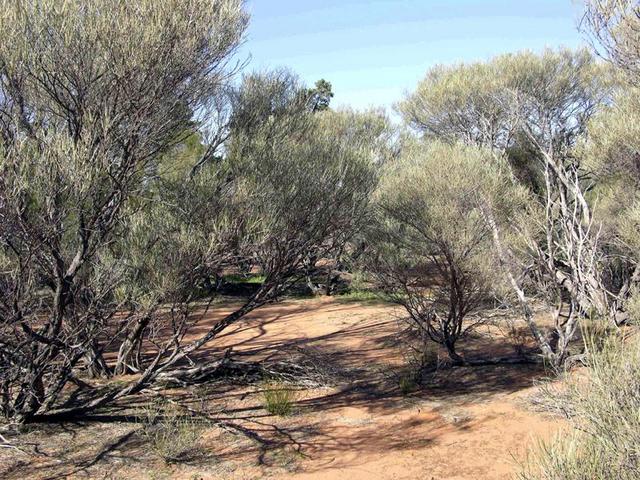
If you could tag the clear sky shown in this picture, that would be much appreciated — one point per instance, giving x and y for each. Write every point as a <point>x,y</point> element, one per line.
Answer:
<point>372,51</point>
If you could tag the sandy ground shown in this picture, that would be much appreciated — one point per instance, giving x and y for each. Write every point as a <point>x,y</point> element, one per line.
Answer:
<point>464,423</point>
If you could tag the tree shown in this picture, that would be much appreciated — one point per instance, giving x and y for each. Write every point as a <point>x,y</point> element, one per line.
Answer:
<point>320,179</point>
<point>554,95</point>
<point>319,97</point>
<point>614,26</point>
<point>476,103</point>
<point>533,109</point>
<point>432,248</point>
<point>611,150</point>
<point>284,189</point>
<point>371,133</point>
<point>91,97</point>
<point>461,103</point>
<point>610,154</point>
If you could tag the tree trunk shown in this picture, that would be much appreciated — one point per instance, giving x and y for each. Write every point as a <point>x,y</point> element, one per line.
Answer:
<point>96,365</point>
<point>129,354</point>
<point>29,398</point>
<point>527,312</point>
<point>453,355</point>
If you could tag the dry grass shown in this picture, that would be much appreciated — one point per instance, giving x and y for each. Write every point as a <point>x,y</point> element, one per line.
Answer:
<point>172,434</point>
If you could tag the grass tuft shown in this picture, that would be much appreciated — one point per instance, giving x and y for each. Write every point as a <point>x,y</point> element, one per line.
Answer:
<point>407,383</point>
<point>172,434</point>
<point>278,399</point>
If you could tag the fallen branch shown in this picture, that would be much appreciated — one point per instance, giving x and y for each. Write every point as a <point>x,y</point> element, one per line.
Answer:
<point>4,443</point>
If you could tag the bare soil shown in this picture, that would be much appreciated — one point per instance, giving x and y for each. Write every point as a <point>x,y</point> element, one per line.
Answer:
<point>462,423</point>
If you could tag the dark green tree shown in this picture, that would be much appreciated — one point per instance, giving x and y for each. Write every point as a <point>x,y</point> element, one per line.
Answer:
<point>320,96</point>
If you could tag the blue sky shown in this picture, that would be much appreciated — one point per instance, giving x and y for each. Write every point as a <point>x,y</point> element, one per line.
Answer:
<point>372,51</point>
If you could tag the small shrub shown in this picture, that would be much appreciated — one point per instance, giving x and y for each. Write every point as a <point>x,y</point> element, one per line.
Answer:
<point>285,458</point>
<point>359,281</point>
<point>633,307</point>
<point>604,411</point>
<point>597,333</point>
<point>172,434</point>
<point>278,399</point>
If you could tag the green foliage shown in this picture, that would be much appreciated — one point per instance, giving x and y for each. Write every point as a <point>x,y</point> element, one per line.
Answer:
<point>309,186</point>
<point>320,96</point>
<point>431,202</point>
<point>179,161</point>
<point>513,103</point>
<point>362,296</point>
<point>182,234</point>
<point>478,103</point>
<point>611,152</point>
<point>237,278</point>
<point>105,90</point>
<point>369,131</point>
<point>459,103</point>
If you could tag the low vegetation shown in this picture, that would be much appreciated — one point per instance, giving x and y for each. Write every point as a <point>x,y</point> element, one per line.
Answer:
<point>602,407</point>
<point>278,398</point>
<point>171,434</point>
<point>143,177</point>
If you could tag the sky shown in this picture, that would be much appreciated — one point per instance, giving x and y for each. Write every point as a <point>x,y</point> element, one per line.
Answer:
<point>373,51</point>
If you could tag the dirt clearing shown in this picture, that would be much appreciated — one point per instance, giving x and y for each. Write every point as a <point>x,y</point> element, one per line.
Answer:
<point>464,423</point>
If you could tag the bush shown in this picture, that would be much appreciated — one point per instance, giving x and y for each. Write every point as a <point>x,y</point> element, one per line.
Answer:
<point>604,411</point>
<point>518,336</point>
<point>278,399</point>
<point>431,248</point>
